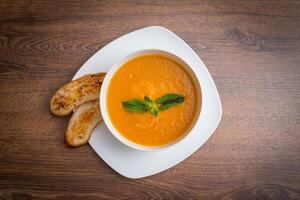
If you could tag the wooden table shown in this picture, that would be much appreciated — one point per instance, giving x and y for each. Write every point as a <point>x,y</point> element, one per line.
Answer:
<point>252,50</point>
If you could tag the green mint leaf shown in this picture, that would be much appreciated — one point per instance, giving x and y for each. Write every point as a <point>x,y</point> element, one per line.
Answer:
<point>163,103</point>
<point>165,106</point>
<point>168,100</point>
<point>135,105</point>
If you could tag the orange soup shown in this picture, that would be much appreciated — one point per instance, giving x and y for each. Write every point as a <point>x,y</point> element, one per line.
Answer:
<point>152,76</point>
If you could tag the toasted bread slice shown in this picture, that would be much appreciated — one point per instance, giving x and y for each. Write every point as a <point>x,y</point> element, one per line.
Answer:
<point>86,117</point>
<point>75,93</point>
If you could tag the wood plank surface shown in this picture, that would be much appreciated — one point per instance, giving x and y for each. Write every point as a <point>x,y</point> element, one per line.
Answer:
<point>251,48</point>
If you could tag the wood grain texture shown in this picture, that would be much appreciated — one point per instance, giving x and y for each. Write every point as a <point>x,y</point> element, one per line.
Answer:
<point>251,48</point>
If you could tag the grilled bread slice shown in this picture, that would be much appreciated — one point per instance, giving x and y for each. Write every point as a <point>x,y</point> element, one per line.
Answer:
<point>75,93</point>
<point>86,117</point>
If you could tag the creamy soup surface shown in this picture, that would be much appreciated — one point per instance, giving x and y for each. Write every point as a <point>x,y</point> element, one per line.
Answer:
<point>152,76</point>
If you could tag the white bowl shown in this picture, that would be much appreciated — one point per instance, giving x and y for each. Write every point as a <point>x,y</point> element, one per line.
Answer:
<point>103,99</point>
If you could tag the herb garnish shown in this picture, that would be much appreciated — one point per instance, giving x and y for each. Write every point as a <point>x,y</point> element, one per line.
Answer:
<point>162,103</point>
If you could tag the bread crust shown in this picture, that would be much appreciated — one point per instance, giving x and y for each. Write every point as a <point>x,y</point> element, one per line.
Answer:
<point>83,121</point>
<point>75,93</point>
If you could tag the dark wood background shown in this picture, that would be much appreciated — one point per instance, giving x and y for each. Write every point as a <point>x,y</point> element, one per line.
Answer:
<point>252,50</point>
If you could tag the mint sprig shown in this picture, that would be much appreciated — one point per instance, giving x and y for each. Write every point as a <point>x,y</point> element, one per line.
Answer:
<point>162,103</point>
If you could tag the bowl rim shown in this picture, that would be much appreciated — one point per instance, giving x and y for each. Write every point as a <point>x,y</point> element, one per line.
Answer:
<point>104,87</point>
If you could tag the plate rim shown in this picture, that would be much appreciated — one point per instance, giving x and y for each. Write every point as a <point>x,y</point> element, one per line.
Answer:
<point>216,122</point>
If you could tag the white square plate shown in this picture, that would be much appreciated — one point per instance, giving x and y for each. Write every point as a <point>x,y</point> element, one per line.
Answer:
<point>133,163</point>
